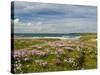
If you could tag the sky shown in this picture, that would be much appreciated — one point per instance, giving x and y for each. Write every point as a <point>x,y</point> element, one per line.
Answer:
<point>33,17</point>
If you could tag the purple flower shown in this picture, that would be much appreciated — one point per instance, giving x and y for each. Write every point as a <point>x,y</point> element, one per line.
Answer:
<point>38,53</point>
<point>20,53</point>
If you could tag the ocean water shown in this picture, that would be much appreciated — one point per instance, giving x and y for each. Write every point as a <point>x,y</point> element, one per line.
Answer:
<point>41,35</point>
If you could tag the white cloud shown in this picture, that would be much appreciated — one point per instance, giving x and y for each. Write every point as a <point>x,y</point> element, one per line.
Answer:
<point>16,20</point>
<point>67,26</point>
<point>39,23</point>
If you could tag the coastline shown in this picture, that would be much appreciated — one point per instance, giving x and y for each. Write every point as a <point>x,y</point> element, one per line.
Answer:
<point>60,38</point>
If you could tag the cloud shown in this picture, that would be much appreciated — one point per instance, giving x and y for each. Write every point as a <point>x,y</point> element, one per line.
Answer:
<point>53,9</point>
<point>16,20</point>
<point>63,27</point>
<point>54,18</point>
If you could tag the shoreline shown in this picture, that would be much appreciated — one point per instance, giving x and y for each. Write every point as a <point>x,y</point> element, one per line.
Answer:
<point>60,38</point>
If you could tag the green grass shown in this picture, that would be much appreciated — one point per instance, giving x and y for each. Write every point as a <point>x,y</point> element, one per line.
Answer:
<point>86,58</point>
<point>88,37</point>
<point>25,43</point>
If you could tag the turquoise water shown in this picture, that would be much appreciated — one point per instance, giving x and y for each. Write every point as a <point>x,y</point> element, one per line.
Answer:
<point>41,35</point>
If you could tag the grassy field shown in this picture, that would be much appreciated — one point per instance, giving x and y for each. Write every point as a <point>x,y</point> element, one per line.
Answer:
<point>43,55</point>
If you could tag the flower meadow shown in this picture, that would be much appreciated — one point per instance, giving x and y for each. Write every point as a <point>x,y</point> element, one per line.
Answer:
<point>45,55</point>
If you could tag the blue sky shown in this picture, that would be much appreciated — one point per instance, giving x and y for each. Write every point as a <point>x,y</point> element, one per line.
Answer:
<point>32,17</point>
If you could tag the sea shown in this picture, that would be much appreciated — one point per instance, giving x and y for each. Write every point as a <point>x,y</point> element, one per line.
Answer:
<point>71,36</point>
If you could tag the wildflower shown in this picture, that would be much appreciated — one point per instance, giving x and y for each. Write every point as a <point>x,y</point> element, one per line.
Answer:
<point>71,60</point>
<point>69,48</point>
<point>57,61</point>
<point>74,64</point>
<point>26,59</point>
<point>38,53</point>
<point>65,60</point>
<point>44,64</point>
<point>41,63</point>
<point>37,61</point>
<point>60,51</point>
